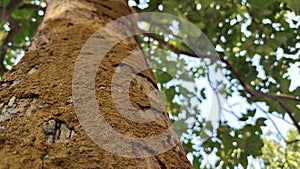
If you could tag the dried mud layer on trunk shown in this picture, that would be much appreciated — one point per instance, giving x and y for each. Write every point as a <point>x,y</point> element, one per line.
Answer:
<point>38,124</point>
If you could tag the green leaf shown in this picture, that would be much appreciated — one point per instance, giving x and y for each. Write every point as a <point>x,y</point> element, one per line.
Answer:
<point>243,160</point>
<point>24,13</point>
<point>170,6</point>
<point>180,126</point>
<point>281,37</point>
<point>2,35</point>
<point>196,162</point>
<point>206,3</point>
<point>254,145</point>
<point>164,77</point>
<point>184,91</point>
<point>153,5</point>
<point>274,107</point>
<point>4,2</point>
<point>296,92</point>
<point>170,93</point>
<point>250,113</point>
<point>285,85</point>
<point>193,16</point>
<point>292,106</point>
<point>175,108</point>
<point>261,122</point>
<point>260,3</point>
<point>294,5</point>
<point>202,93</point>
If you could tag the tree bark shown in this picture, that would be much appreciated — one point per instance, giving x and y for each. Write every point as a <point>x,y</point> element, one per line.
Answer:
<point>38,124</point>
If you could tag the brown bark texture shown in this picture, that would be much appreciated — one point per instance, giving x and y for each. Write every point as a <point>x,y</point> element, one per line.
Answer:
<point>38,124</point>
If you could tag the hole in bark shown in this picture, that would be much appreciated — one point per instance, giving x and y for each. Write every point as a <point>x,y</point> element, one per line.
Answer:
<point>29,95</point>
<point>70,24</point>
<point>2,141</point>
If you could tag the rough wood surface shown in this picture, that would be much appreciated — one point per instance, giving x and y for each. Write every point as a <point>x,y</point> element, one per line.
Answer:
<point>38,125</point>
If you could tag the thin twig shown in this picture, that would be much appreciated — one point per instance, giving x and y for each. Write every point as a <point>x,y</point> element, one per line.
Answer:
<point>215,92</point>
<point>272,121</point>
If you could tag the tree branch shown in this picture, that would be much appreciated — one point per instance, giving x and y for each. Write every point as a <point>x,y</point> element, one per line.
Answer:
<point>30,6</point>
<point>10,7</point>
<point>277,98</point>
<point>192,54</point>
<point>174,48</point>
<point>248,88</point>
<point>294,141</point>
<point>14,26</point>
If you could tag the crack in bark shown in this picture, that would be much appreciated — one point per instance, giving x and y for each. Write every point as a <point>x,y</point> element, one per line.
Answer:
<point>161,164</point>
<point>56,131</point>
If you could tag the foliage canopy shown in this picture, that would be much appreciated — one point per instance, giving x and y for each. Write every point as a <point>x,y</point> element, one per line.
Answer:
<point>258,45</point>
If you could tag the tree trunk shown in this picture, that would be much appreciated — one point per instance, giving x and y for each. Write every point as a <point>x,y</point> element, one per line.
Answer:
<point>39,127</point>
